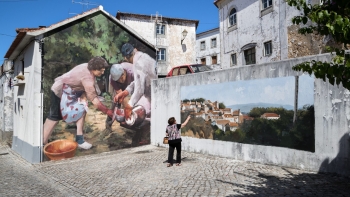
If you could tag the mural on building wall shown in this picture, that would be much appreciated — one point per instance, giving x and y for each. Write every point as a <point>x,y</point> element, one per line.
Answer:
<point>258,112</point>
<point>85,65</point>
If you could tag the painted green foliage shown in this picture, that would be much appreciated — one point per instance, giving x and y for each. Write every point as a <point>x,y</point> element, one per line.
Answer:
<point>78,42</point>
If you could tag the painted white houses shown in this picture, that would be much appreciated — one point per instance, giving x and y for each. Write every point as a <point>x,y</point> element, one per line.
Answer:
<point>260,31</point>
<point>270,116</point>
<point>175,38</point>
<point>208,48</point>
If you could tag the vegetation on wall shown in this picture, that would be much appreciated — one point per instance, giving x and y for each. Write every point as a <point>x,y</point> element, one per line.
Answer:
<point>332,19</point>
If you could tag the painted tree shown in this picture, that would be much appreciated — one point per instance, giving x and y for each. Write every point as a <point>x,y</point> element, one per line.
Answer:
<point>330,18</point>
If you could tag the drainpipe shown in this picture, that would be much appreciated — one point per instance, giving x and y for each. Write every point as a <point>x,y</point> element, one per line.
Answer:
<point>41,49</point>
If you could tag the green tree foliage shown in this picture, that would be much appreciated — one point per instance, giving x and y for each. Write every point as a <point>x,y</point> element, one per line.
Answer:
<point>328,19</point>
<point>222,106</point>
<point>198,100</point>
<point>281,132</point>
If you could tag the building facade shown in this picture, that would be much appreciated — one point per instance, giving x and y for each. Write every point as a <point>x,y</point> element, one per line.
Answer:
<point>175,38</point>
<point>208,48</point>
<point>261,31</point>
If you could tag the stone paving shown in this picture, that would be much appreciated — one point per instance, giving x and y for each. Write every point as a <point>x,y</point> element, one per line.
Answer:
<point>142,171</point>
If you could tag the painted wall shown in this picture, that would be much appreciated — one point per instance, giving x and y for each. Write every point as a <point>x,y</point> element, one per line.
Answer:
<point>177,53</point>
<point>209,51</point>
<point>27,113</point>
<point>254,26</point>
<point>6,103</point>
<point>75,44</point>
<point>273,111</point>
<point>331,119</point>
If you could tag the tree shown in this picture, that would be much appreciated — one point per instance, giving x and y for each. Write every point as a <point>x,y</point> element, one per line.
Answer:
<point>328,19</point>
<point>222,106</point>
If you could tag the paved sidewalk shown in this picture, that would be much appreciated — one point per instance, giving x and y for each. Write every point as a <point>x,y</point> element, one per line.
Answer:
<point>141,172</point>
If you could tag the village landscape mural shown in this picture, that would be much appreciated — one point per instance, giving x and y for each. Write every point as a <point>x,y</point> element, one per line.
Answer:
<point>77,43</point>
<point>261,112</point>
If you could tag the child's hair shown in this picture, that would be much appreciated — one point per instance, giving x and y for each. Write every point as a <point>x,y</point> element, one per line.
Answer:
<point>171,121</point>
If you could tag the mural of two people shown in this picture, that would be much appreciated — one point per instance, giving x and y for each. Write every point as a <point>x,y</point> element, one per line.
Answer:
<point>88,94</point>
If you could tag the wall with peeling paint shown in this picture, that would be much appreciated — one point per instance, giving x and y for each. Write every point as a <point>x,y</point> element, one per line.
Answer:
<point>176,53</point>
<point>332,119</point>
<point>209,50</point>
<point>254,26</point>
<point>6,103</point>
<point>27,111</point>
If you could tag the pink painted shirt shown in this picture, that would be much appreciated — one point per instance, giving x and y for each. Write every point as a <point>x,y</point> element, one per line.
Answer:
<point>79,79</point>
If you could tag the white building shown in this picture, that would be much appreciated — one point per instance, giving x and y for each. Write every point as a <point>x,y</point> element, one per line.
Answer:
<point>260,31</point>
<point>208,48</point>
<point>167,34</point>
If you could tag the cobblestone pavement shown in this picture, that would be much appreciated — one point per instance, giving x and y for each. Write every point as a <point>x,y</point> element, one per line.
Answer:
<point>142,171</point>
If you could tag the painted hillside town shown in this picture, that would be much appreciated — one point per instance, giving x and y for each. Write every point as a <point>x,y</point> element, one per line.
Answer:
<point>272,111</point>
<point>265,126</point>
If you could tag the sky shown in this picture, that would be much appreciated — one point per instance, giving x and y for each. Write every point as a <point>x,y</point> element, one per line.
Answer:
<point>34,13</point>
<point>270,90</point>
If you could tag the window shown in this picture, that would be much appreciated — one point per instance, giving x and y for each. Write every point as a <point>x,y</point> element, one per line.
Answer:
<point>184,70</point>
<point>202,45</point>
<point>233,59</point>
<point>267,48</point>
<point>175,71</point>
<point>161,54</point>
<point>249,56</point>
<point>203,61</point>
<point>232,18</point>
<point>213,43</point>
<point>160,29</point>
<point>213,59</point>
<point>266,3</point>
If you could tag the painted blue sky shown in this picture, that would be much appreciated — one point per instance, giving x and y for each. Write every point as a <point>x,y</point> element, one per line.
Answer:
<point>271,90</point>
<point>33,13</point>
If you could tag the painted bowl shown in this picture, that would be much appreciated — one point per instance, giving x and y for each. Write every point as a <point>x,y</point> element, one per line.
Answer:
<point>60,149</point>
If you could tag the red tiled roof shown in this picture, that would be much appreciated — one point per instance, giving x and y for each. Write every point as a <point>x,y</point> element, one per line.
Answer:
<point>233,124</point>
<point>270,115</point>
<point>222,122</point>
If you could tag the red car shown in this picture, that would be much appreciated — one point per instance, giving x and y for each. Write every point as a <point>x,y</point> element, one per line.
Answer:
<point>188,69</point>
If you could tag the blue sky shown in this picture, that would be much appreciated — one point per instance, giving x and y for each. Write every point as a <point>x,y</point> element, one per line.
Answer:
<point>271,90</point>
<point>33,13</point>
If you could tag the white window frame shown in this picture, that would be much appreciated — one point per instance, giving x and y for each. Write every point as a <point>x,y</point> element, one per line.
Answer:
<point>233,63</point>
<point>232,18</point>
<point>213,46</point>
<point>245,58</point>
<point>268,48</point>
<point>161,54</point>
<point>268,3</point>
<point>202,45</point>
<point>160,29</point>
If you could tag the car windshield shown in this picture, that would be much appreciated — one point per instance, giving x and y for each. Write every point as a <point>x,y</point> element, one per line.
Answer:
<point>200,68</point>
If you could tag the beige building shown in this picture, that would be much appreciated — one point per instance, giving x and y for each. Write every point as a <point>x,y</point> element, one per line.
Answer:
<point>175,38</point>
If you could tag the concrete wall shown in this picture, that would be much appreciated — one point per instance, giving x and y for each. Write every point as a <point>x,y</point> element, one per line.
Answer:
<point>27,122</point>
<point>209,51</point>
<point>177,53</point>
<point>254,26</point>
<point>332,116</point>
<point>6,103</point>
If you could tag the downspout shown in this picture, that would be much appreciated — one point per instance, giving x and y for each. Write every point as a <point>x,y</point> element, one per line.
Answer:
<point>41,49</point>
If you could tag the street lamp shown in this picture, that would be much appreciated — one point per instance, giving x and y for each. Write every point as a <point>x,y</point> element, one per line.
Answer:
<point>184,34</point>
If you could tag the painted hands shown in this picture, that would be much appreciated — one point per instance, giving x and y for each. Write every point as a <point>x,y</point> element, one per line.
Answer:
<point>120,96</point>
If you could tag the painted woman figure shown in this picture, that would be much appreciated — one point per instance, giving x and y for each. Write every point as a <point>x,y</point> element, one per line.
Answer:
<point>67,98</point>
<point>174,140</point>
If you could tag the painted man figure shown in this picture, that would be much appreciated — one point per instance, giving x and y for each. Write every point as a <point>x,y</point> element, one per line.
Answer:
<point>65,98</point>
<point>144,72</point>
<point>121,76</point>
